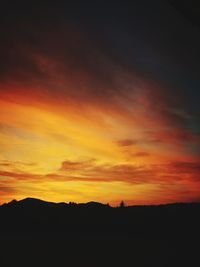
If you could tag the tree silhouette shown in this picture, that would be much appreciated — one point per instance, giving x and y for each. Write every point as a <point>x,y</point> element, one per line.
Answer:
<point>122,205</point>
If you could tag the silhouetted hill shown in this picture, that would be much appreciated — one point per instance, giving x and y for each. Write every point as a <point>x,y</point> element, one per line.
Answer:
<point>38,202</point>
<point>29,203</point>
<point>85,219</point>
<point>34,202</point>
<point>100,235</point>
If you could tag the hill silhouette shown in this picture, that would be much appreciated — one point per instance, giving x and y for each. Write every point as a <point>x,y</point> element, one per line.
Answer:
<point>95,234</point>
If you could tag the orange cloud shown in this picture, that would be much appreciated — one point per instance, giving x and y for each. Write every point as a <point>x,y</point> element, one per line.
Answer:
<point>161,183</point>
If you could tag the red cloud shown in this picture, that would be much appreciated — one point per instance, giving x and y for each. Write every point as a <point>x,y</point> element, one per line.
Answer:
<point>127,142</point>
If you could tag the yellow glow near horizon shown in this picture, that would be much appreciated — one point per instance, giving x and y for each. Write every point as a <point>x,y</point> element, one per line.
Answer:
<point>58,154</point>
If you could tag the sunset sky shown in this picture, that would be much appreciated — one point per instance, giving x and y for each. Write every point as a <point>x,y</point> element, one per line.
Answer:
<point>99,102</point>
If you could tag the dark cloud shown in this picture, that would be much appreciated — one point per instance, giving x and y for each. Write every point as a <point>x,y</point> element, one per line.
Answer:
<point>155,174</point>
<point>6,164</point>
<point>76,165</point>
<point>126,142</point>
<point>5,190</point>
<point>95,38</point>
<point>172,135</point>
<point>19,176</point>
<point>141,154</point>
<point>174,173</point>
<point>186,167</point>
<point>15,165</point>
<point>130,173</point>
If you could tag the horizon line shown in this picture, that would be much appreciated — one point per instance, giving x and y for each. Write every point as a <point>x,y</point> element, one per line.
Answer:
<point>106,204</point>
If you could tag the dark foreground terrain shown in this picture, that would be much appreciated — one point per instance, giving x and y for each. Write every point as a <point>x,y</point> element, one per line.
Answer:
<point>38,233</point>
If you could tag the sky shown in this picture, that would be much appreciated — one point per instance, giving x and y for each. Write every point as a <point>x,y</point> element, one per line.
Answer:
<point>99,101</point>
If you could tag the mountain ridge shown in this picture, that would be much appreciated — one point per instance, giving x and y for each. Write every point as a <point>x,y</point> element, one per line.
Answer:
<point>37,201</point>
